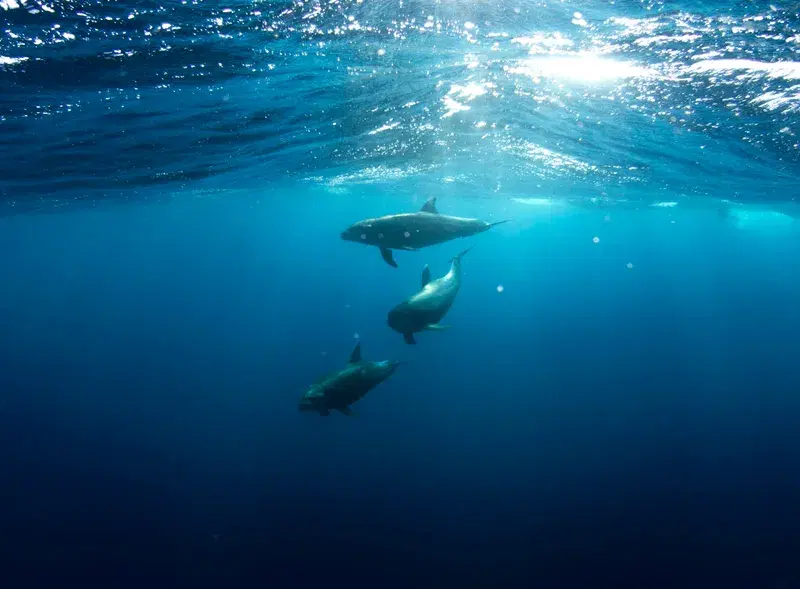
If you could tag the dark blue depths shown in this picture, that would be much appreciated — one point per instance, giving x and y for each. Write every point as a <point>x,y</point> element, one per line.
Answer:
<point>183,281</point>
<point>591,423</point>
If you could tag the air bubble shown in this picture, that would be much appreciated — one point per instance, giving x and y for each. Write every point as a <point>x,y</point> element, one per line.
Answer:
<point>596,239</point>
<point>500,288</point>
<point>629,266</point>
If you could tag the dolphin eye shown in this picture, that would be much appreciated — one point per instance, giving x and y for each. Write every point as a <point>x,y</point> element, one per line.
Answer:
<point>406,234</point>
<point>363,236</point>
<point>380,235</point>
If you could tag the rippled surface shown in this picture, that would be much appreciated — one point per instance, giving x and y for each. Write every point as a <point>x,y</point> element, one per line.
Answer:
<point>620,100</point>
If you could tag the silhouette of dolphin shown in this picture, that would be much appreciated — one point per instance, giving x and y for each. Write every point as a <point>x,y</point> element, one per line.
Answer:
<point>341,388</point>
<point>412,231</point>
<point>425,309</point>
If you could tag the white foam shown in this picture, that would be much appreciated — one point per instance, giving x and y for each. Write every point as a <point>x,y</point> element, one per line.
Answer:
<point>787,70</point>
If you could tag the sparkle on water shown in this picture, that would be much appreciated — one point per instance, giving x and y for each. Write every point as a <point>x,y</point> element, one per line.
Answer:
<point>490,95</point>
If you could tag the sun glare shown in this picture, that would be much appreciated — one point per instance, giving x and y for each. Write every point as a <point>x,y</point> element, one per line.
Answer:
<point>586,68</point>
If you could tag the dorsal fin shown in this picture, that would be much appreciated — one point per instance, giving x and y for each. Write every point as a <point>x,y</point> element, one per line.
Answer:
<point>426,276</point>
<point>355,355</point>
<point>430,206</point>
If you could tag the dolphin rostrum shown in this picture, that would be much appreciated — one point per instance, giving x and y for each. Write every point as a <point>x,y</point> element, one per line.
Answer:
<point>425,309</point>
<point>341,388</point>
<point>412,231</point>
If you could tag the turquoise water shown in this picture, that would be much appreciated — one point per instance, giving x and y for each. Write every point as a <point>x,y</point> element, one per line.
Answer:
<point>615,400</point>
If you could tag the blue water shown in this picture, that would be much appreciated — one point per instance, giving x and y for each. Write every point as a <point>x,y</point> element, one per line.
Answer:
<point>616,401</point>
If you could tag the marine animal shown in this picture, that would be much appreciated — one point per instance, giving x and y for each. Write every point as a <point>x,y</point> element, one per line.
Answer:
<point>424,310</point>
<point>412,231</point>
<point>338,390</point>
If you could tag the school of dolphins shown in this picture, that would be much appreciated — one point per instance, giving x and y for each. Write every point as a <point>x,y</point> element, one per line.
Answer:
<point>340,389</point>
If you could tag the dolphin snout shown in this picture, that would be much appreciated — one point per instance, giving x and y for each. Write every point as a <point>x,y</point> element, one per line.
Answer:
<point>392,319</point>
<point>350,234</point>
<point>305,403</point>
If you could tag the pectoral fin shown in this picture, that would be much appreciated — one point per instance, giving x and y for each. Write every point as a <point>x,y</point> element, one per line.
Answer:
<point>436,327</point>
<point>409,338</point>
<point>346,411</point>
<point>386,254</point>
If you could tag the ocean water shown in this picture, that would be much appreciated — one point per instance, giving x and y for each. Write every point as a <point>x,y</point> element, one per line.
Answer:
<point>616,401</point>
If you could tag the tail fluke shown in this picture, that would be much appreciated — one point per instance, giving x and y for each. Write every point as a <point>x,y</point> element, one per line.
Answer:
<point>457,257</point>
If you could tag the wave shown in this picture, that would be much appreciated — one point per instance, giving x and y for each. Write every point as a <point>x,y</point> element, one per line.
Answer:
<point>617,101</point>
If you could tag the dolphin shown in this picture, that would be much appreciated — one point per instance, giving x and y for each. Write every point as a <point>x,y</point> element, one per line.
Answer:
<point>341,388</point>
<point>412,231</point>
<point>425,309</point>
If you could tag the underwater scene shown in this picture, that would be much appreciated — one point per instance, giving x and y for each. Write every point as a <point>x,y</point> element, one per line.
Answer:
<point>400,293</point>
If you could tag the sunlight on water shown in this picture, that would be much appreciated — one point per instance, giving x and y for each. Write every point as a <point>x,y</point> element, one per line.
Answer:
<point>535,202</point>
<point>538,99</point>
<point>789,70</point>
<point>760,219</point>
<point>586,68</point>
